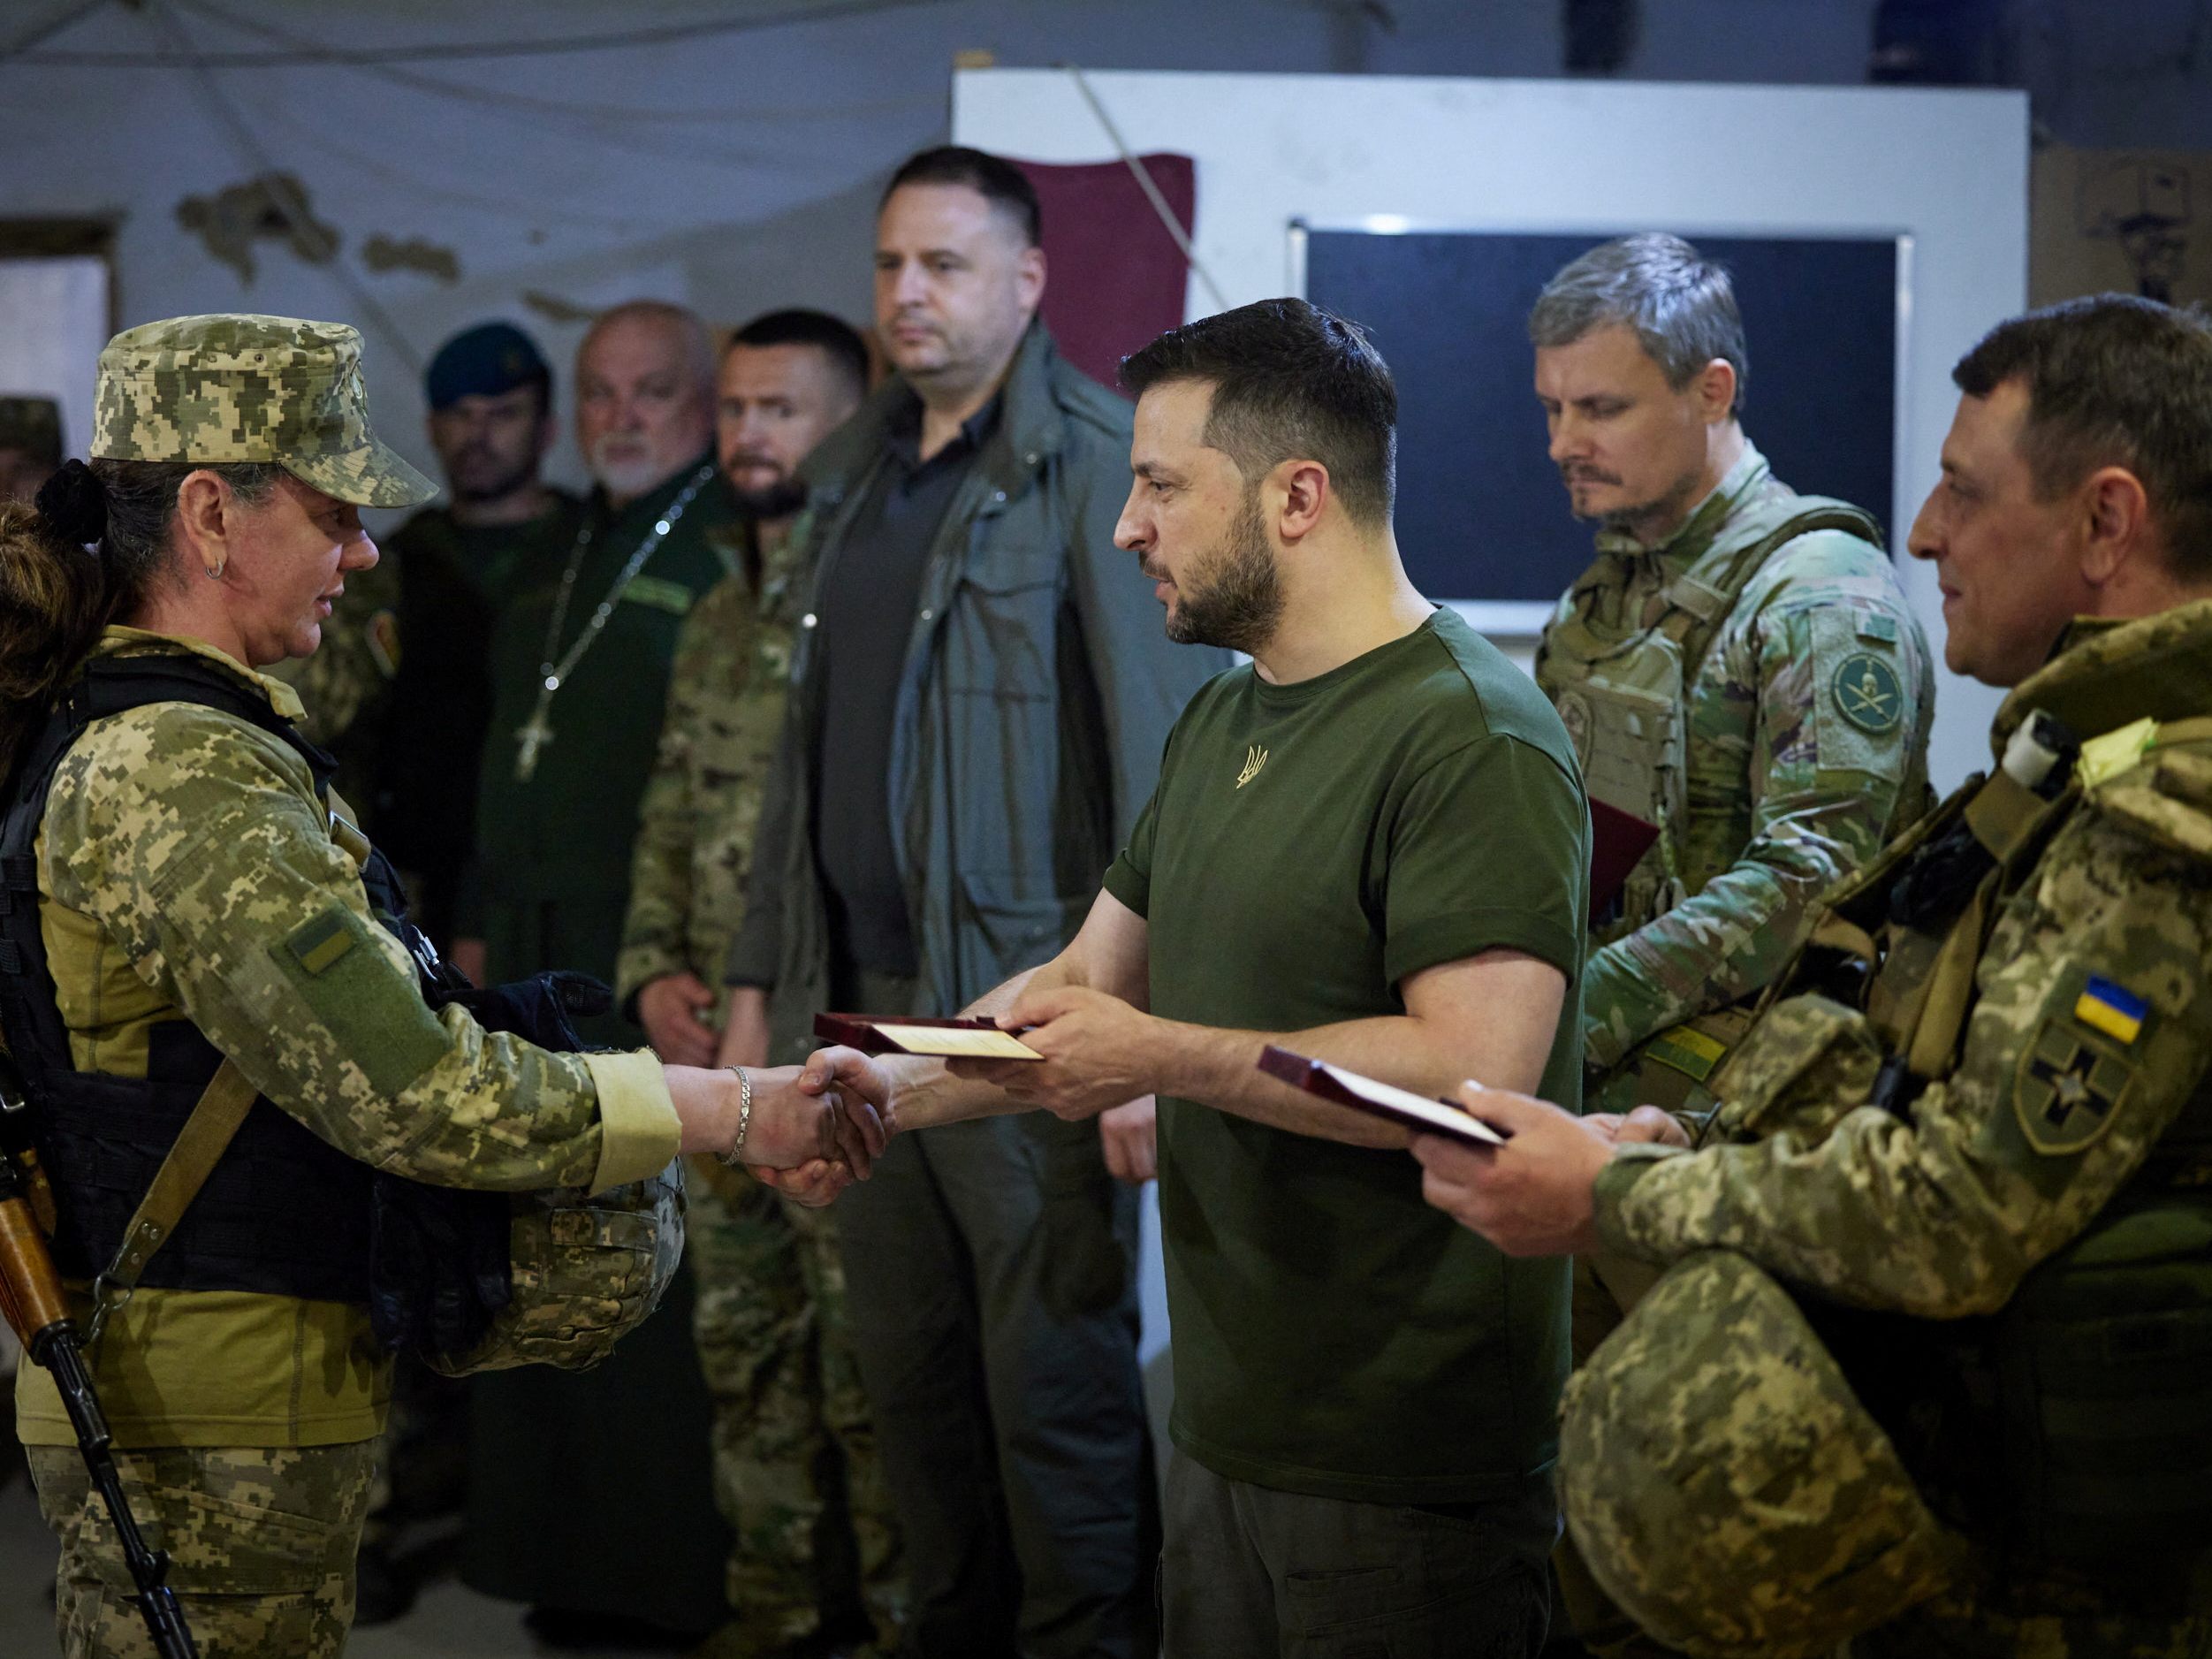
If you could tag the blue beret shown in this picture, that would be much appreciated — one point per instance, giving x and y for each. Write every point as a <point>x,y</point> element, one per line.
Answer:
<point>483,363</point>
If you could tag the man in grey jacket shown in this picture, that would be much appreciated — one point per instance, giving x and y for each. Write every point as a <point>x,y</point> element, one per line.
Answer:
<point>980,695</point>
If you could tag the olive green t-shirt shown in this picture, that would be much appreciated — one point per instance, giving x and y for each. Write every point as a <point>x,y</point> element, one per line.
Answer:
<point>1308,848</point>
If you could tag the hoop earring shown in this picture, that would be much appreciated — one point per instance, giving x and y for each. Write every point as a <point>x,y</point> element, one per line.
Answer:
<point>215,571</point>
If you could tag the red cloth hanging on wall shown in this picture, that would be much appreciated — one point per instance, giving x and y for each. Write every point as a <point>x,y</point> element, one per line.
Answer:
<point>1114,277</point>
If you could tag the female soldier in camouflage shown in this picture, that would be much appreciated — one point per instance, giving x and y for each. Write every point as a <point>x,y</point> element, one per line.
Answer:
<point>201,916</point>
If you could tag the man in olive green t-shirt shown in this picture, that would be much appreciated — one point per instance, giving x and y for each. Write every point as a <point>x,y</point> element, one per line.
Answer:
<point>1371,846</point>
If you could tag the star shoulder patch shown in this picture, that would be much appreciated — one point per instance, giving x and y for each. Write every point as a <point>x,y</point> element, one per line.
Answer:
<point>2069,1085</point>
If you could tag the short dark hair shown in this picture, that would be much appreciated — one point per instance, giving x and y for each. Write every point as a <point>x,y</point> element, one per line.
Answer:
<point>834,338</point>
<point>2113,381</point>
<point>1681,304</point>
<point>1289,380</point>
<point>994,178</point>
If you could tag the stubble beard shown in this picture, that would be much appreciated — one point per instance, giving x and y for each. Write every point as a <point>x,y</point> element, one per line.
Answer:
<point>518,476</point>
<point>1662,512</point>
<point>1234,595</point>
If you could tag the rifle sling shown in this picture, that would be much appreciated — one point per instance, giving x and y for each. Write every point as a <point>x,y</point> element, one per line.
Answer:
<point>215,1118</point>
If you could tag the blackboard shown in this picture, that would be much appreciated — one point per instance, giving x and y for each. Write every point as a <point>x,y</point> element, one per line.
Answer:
<point>1482,515</point>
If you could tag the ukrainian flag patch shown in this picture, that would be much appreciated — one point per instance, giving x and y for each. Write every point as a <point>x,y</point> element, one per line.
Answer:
<point>2111,1008</point>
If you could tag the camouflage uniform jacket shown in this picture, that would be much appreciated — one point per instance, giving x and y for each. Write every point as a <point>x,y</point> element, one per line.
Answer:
<point>2051,1103</point>
<point>701,806</point>
<point>183,855</point>
<point>1787,789</point>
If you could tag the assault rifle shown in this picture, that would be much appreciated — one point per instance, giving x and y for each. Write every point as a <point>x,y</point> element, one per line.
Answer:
<point>31,1300</point>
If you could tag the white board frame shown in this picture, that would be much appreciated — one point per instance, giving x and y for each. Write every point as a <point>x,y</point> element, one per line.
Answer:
<point>1516,622</point>
<point>1946,168</point>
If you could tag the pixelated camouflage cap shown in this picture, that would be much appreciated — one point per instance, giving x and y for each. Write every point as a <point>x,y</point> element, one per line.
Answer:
<point>1724,1484</point>
<point>243,388</point>
<point>32,425</point>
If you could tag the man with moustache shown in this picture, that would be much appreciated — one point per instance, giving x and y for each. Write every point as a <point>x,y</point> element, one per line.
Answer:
<point>796,1472</point>
<point>456,566</point>
<point>580,664</point>
<point>787,379</point>
<point>979,695</point>
<point>1739,669</point>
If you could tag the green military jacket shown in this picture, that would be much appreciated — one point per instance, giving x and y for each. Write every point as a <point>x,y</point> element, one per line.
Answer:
<point>548,885</point>
<point>702,805</point>
<point>181,850</point>
<point>1789,780</point>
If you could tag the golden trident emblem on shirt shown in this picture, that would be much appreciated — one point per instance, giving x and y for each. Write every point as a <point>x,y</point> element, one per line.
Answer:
<point>1255,758</point>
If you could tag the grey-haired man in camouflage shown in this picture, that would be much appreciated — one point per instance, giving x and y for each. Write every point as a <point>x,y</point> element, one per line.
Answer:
<point>1739,669</point>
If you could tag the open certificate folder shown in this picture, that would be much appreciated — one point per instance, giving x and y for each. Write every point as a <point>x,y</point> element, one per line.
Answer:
<point>1383,1099</point>
<point>963,1038</point>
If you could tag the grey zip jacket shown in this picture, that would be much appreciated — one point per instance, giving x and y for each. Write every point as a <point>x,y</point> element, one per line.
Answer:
<point>1038,694</point>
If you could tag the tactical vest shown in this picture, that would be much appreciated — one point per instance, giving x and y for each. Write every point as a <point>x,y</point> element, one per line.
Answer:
<point>467,1280</point>
<point>2073,1429</point>
<point>284,1213</point>
<point>1623,689</point>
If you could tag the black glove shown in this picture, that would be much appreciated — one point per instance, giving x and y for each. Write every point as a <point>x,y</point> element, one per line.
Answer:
<point>537,1009</point>
<point>438,1267</point>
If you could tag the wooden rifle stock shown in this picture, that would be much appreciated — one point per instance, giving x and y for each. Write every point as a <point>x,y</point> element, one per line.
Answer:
<point>37,1309</point>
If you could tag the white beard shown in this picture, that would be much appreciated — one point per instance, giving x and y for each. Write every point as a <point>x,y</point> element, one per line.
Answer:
<point>626,465</point>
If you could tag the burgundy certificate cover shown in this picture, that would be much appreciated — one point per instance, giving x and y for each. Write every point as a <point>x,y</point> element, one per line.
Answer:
<point>1618,843</point>
<point>1382,1099</point>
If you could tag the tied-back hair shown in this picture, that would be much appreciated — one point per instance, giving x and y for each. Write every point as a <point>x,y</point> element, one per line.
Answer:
<point>92,552</point>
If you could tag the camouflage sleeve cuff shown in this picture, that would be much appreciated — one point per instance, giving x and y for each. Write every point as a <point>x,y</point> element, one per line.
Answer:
<point>639,1131</point>
<point>1629,1165</point>
<point>1622,1004</point>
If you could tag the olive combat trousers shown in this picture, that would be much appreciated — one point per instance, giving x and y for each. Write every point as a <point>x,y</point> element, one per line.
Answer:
<point>1253,1573</point>
<point>796,1470</point>
<point>260,1543</point>
<point>990,1269</point>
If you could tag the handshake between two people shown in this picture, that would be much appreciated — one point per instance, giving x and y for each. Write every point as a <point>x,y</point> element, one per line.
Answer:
<point>809,1131</point>
<point>816,1129</point>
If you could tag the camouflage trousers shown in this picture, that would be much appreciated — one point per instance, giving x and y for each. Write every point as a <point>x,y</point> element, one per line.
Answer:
<point>1605,1286</point>
<point>261,1544</point>
<point>796,1470</point>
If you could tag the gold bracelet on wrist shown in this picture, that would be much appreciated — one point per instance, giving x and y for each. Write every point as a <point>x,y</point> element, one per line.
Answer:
<point>734,1158</point>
